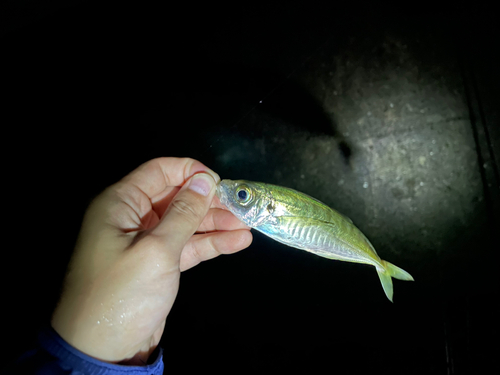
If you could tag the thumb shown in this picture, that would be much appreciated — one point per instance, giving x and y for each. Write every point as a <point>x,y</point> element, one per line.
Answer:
<point>186,211</point>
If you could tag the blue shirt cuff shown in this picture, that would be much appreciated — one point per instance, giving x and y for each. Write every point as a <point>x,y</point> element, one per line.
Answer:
<point>75,361</point>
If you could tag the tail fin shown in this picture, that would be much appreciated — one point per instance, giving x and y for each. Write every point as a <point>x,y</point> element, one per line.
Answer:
<point>386,277</point>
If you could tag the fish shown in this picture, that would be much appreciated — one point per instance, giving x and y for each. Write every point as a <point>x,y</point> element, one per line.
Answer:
<point>303,222</point>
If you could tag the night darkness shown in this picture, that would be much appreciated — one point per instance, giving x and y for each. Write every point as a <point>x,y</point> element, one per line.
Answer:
<point>386,113</point>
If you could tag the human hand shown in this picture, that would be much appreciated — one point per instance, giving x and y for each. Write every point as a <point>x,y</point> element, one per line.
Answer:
<point>136,238</point>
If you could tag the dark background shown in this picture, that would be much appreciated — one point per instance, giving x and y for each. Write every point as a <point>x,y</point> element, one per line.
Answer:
<point>387,112</point>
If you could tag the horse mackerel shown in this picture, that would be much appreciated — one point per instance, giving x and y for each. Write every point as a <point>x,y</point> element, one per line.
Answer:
<point>298,220</point>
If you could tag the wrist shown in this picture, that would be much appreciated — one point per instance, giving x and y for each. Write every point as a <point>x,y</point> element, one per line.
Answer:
<point>69,357</point>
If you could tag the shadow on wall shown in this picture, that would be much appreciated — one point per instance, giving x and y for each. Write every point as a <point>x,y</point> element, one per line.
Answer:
<point>233,113</point>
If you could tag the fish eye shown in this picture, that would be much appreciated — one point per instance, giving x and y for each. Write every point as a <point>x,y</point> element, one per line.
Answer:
<point>243,194</point>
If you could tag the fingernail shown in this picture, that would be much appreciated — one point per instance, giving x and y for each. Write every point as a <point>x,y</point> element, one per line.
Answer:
<point>201,183</point>
<point>214,175</point>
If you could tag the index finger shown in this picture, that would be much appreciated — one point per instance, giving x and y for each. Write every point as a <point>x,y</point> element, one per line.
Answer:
<point>157,175</point>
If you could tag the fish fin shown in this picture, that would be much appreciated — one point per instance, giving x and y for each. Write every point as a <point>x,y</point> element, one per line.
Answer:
<point>390,271</point>
<point>386,281</point>
<point>396,272</point>
<point>345,217</point>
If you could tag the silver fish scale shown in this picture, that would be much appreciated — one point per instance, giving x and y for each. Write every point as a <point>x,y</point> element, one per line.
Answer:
<point>317,240</point>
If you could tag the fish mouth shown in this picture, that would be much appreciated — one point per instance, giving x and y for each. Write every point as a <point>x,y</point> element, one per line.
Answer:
<point>221,192</point>
<point>218,190</point>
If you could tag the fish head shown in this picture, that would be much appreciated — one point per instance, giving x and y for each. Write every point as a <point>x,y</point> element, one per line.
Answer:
<point>247,200</point>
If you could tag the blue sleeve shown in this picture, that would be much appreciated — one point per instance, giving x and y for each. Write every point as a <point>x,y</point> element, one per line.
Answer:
<point>55,356</point>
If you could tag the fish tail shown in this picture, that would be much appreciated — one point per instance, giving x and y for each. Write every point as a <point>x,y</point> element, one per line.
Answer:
<point>390,271</point>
